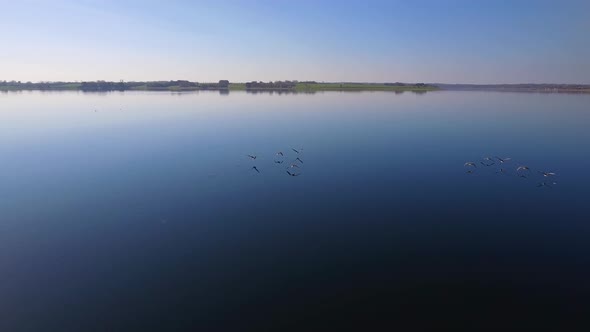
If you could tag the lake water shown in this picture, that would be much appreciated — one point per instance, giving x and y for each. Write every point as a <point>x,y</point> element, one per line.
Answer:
<point>141,210</point>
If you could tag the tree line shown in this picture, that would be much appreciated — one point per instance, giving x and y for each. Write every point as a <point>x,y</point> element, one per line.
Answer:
<point>271,85</point>
<point>112,86</point>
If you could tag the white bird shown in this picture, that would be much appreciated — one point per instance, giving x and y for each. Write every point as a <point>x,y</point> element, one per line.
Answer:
<point>470,164</point>
<point>547,174</point>
<point>522,170</point>
<point>489,163</point>
<point>503,160</point>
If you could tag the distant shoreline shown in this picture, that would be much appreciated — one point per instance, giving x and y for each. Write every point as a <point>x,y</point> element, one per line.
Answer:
<point>541,88</point>
<point>285,86</point>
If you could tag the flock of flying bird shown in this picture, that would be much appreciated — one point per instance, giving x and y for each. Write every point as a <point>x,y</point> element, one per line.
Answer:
<point>294,167</point>
<point>521,171</point>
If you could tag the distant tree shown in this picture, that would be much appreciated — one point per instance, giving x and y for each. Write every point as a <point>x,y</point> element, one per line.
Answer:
<point>277,85</point>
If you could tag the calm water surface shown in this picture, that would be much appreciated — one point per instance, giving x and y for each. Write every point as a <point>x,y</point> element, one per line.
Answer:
<point>140,210</point>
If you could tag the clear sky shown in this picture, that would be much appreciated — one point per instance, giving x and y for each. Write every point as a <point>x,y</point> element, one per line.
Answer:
<point>380,41</point>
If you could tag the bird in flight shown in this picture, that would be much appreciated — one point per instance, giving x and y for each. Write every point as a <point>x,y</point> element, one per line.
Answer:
<point>294,166</point>
<point>255,168</point>
<point>296,151</point>
<point>489,161</point>
<point>547,174</point>
<point>503,160</point>
<point>251,156</point>
<point>292,174</point>
<point>301,161</point>
<point>522,171</point>
<point>279,157</point>
<point>470,164</point>
<point>545,184</point>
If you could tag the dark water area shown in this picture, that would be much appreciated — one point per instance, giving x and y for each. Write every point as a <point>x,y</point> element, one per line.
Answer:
<point>141,211</point>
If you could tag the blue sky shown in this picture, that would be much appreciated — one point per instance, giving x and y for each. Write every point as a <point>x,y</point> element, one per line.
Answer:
<point>378,41</point>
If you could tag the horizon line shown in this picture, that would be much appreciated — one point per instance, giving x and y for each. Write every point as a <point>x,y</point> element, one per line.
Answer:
<point>299,81</point>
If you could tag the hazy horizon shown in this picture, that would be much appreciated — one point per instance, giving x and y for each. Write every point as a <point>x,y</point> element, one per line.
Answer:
<point>317,81</point>
<point>378,41</point>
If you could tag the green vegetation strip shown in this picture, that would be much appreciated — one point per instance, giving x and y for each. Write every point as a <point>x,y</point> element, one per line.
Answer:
<point>222,85</point>
<point>360,87</point>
